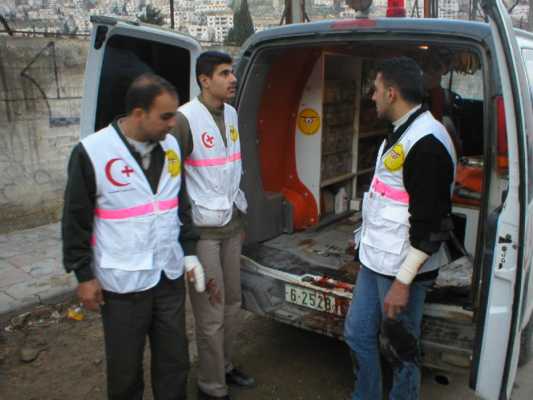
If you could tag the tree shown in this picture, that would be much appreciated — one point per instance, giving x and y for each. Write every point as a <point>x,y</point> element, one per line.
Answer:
<point>151,15</point>
<point>243,26</point>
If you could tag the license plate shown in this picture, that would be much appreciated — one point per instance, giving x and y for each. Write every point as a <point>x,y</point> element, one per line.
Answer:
<point>311,299</point>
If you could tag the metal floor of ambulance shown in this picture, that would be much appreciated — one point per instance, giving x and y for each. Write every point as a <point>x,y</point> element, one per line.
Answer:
<point>329,251</point>
<point>323,251</point>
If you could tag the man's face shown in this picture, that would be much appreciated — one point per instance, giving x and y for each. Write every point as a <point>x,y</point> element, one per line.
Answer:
<point>160,118</point>
<point>223,84</point>
<point>433,74</point>
<point>382,97</point>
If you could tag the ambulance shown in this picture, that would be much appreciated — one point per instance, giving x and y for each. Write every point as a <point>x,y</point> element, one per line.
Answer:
<point>309,137</point>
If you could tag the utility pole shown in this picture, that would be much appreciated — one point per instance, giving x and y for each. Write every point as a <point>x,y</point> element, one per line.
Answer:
<point>427,8</point>
<point>172,14</point>
<point>294,12</point>
<point>431,8</point>
<point>530,16</point>
<point>473,10</point>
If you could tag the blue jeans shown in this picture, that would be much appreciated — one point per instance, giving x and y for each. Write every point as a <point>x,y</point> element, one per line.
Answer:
<point>362,330</point>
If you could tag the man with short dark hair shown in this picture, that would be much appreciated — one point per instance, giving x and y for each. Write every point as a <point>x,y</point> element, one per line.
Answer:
<point>439,100</point>
<point>207,128</point>
<point>406,218</point>
<point>120,232</point>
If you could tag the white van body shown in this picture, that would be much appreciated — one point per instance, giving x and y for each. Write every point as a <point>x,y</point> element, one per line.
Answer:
<point>308,133</point>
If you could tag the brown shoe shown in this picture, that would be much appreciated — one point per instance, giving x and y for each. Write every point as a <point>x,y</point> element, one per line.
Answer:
<point>204,396</point>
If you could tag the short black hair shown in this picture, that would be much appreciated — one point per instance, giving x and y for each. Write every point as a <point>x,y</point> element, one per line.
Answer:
<point>144,89</point>
<point>208,61</point>
<point>405,75</point>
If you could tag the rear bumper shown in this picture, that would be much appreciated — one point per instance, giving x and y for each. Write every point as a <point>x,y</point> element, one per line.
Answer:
<point>447,331</point>
<point>263,291</point>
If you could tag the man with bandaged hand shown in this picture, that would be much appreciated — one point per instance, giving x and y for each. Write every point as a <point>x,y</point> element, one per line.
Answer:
<point>406,218</point>
<point>208,131</point>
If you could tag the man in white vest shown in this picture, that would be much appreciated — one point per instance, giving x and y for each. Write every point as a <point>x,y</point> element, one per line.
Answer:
<point>120,237</point>
<point>406,218</point>
<point>207,128</point>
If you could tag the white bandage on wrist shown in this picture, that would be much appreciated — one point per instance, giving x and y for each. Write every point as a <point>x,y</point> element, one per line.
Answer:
<point>193,264</point>
<point>190,262</point>
<point>408,270</point>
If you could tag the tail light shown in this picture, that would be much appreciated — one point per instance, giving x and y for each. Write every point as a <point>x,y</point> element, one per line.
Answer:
<point>353,23</point>
<point>502,150</point>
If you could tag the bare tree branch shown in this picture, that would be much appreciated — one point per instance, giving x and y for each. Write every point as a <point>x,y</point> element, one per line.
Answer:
<point>510,9</point>
<point>6,26</point>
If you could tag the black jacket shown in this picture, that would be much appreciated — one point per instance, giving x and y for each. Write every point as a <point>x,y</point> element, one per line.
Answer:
<point>428,173</point>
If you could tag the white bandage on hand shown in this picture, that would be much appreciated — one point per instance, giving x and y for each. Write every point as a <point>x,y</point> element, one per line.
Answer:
<point>193,264</point>
<point>408,270</point>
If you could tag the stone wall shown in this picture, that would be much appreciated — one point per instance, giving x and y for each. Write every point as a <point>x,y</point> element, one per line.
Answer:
<point>41,85</point>
<point>41,82</point>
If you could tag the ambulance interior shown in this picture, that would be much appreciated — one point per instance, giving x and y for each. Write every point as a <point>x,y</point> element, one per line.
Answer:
<point>318,136</point>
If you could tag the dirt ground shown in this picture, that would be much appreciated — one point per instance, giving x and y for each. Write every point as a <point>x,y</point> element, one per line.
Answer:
<point>288,363</point>
<point>70,362</point>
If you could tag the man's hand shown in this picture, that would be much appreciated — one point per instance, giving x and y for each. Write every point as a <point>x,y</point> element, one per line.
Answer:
<point>90,294</point>
<point>195,272</point>
<point>396,299</point>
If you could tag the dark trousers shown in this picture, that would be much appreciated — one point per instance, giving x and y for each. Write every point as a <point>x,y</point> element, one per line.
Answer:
<point>128,319</point>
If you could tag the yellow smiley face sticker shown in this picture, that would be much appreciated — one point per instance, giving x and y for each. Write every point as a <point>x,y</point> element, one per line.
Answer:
<point>395,158</point>
<point>233,133</point>
<point>308,121</point>
<point>173,162</point>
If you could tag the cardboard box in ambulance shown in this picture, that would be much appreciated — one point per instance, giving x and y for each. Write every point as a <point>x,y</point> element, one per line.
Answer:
<point>310,134</point>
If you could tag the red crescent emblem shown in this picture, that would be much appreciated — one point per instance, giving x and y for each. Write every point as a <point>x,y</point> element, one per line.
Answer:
<point>208,140</point>
<point>126,171</point>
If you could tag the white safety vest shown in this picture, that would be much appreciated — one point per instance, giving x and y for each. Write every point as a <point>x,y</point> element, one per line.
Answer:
<point>385,230</point>
<point>134,229</point>
<point>213,170</point>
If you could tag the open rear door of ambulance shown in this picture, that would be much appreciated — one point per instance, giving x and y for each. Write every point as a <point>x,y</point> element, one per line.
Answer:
<point>502,289</point>
<point>122,50</point>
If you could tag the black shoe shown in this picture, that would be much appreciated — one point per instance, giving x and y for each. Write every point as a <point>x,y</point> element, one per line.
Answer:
<point>239,378</point>
<point>204,396</point>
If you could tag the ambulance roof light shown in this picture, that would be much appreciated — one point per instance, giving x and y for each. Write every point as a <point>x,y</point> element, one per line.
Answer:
<point>395,8</point>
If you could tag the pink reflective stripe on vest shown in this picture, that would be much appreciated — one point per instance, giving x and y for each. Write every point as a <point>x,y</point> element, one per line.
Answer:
<point>210,162</point>
<point>390,192</point>
<point>136,211</point>
<point>167,204</point>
